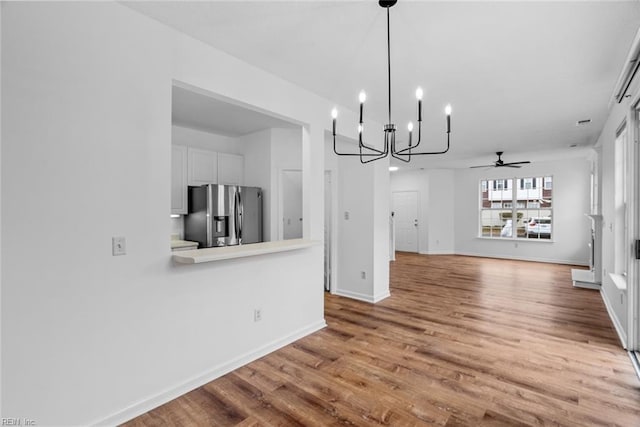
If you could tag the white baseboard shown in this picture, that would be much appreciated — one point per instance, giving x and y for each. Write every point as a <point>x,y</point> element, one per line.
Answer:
<point>445,252</point>
<point>362,297</point>
<point>622,335</point>
<point>521,258</point>
<point>161,398</point>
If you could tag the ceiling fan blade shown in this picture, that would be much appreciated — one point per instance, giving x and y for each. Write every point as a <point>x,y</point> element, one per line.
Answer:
<point>481,166</point>
<point>516,163</point>
<point>511,165</point>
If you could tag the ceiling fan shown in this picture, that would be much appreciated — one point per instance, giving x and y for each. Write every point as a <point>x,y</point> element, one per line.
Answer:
<point>500,163</point>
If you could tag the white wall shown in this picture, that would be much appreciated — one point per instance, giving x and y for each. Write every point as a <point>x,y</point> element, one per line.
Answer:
<point>360,243</point>
<point>86,109</point>
<point>257,173</point>
<point>448,211</point>
<point>267,153</point>
<point>1,172</point>
<point>616,300</point>
<point>571,200</point>
<point>441,218</point>
<point>206,140</point>
<point>286,154</point>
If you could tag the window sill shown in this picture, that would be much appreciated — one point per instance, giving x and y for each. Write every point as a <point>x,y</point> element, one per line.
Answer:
<point>619,280</point>
<point>517,239</point>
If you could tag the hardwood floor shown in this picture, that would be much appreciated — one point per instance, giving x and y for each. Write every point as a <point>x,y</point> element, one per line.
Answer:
<point>462,341</point>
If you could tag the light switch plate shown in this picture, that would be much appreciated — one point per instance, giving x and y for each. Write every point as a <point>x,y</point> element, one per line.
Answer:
<point>118,246</point>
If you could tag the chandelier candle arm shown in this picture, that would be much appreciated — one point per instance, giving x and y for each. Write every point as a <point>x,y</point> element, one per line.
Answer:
<point>376,154</point>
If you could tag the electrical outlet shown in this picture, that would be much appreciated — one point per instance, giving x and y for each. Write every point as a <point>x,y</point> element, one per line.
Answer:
<point>363,275</point>
<point>346,214</point>
<point>118,246</point>
<point>257,314</point>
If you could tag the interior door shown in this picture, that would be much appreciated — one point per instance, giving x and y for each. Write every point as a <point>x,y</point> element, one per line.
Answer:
<point>405,209</point>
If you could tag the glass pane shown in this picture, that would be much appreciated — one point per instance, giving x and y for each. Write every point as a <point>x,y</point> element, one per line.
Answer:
<point>484,194</point>
<point>537,223</point>
<point>495,223</point>
<point>547,192</point>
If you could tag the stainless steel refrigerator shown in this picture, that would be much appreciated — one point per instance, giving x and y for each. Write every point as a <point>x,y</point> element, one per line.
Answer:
<point>224,215</point>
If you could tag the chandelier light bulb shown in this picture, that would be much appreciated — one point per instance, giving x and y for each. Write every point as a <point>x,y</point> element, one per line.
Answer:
<point>334,113</point>
<point>447,110</point>
<point>359,128</point>
<point>362,96</point>
<point>410,126</point>
<point>419,94</point>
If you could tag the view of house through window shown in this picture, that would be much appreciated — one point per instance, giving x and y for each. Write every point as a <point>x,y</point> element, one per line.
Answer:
<point>516,208</point>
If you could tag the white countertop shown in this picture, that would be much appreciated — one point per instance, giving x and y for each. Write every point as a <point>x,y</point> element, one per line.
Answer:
<point>177,244</point>
<point>228,252</point>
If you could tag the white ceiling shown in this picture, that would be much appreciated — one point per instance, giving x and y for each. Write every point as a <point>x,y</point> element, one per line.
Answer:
<point>518,74</point>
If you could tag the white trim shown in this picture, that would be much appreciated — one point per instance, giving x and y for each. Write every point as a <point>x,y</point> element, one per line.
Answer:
<point>633,355</point>
<point>521,258</point>
<point>161,398</point>
<point>515,239</point>
<point>628,65</point>
<point>633,278</point>
<point>622,335</point>
<point>362,297</point>
<point>445,252</point>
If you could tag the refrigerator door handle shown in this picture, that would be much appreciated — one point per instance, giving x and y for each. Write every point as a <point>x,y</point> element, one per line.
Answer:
<point>239,212</point>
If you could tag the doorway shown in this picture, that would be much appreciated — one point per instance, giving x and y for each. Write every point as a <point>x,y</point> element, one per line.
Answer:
<point>327,230</point>
<point>405,215</point>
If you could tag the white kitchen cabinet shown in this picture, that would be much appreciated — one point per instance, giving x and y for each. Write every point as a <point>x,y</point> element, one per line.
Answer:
<point>178,179</point>
<point>203,166</point>
<point>230,169</point>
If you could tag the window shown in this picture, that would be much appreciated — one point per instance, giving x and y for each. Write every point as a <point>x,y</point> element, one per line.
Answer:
<point>527,183</point>
<point>516,208</point>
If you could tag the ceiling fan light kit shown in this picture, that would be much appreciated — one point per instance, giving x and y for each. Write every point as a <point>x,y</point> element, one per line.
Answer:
<point>500,163</point>
<point>369,154</point>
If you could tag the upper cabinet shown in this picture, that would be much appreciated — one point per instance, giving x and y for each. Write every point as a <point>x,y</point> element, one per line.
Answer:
<point>196,166</point>
<point>230,169</point>
<point>203,166</point>
<point>178,179</point>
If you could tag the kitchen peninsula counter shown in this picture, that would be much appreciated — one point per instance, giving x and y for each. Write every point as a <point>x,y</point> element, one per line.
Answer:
<point>198,256</point>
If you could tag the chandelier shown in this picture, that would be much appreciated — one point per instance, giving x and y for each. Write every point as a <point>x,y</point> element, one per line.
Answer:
<point>369,154</point>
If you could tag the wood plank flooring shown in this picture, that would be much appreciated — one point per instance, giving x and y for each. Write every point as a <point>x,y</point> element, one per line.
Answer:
<point>462,341</point>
